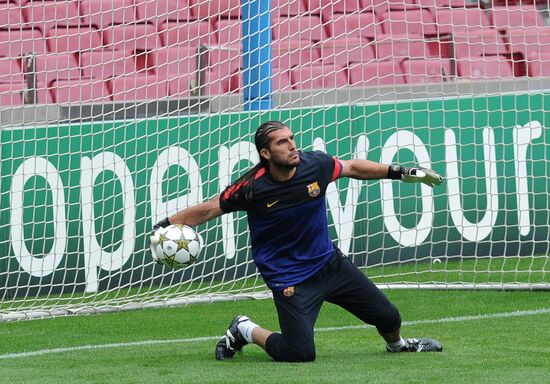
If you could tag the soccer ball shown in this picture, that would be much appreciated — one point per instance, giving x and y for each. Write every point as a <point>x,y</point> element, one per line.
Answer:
<point>176,246</point>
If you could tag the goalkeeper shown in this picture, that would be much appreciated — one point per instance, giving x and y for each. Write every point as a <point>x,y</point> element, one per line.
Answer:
<point>284,197</point>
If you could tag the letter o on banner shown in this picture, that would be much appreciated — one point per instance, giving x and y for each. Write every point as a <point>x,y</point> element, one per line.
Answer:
<point>45,265</point>
<point>406,236</point>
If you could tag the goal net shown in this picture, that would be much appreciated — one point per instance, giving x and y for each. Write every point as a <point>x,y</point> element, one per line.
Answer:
<point>117,113</point>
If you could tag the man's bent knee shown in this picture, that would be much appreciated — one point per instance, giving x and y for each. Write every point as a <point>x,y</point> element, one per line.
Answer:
<point>280,350</point>
<point>302,355</point>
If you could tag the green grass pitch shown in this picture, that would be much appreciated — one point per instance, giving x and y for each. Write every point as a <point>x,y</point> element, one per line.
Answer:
<point>488,337</point>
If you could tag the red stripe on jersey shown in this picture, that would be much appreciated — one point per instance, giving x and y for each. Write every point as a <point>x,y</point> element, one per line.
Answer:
<point>235,187</point>
<point>337,169</point>
<point>260,173</point>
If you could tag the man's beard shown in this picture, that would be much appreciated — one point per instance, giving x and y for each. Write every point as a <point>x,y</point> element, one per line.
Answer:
<point>289,164</point>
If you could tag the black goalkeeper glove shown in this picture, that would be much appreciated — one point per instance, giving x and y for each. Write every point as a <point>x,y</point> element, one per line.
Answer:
<point>161,224</point>
<point>414,175</point>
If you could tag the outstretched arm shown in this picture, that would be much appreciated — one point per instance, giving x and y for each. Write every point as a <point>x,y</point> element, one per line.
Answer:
<point>196,214</point>
<point>369,170</point>
<point>364,169</point>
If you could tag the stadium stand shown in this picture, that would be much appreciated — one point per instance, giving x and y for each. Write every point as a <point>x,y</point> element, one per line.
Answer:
<point>105,64</point>
<point>103,13</point>
<point>318,76</point>
<point>478,42</point>
<point>382,73</point>
<point>350,25</point>
<point>489,67</point>
<point>307,28</point>
<point>289,7</point>
<point>215,8</point>
<point>120,50</point>
<point>16,43</point>
<point>78,91</point>
<point>538,64</point>
<point>426,70</point>
<point>347,51</point>
<point>73,39</point>
<point>409,22</point>
<point>451,20</point>
<point>10,71</point>
<point>45,15</point>
<point>161,11</point>
<point>51,67</point>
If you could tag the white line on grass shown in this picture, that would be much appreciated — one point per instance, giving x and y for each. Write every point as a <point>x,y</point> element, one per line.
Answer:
<point>43,352</point>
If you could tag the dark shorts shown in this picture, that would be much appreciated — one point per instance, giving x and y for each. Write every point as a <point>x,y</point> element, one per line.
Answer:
<point>339,282</point>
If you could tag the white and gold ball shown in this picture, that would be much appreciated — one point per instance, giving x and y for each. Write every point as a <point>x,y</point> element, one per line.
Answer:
<point>176,246</point>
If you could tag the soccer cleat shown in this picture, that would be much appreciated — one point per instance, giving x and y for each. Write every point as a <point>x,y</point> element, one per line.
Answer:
<point>222,351</point>
<point>420,345</point>
<point>233,341</point>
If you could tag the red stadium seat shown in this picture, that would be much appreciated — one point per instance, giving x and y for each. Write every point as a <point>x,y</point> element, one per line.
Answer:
<point>290,53</point>
<point>42,94</point>
<point>488,67</point>
<point>216,83</point>
<point>478,42</point>
<point>426,71</point>
<point>529,40</point>
<point>288,7</point>
<point>401,47</point>
<point>281,80</point>
<point>53,67</point>
<point>10,94</point>
<point>13,94</point>
<point>411,21</point>
<point>229,31</point>
<point>10,71</point>
<point>211,9</point>
<point>102,13</point>
<point>375,74</point>
<point>105,64</point>
<point>381,6</point>
<point>515,16</point>
<point>436,3</point>
<point>10,17</point>
<point>236,82</point>
<point>538,64</point>
<point>327,7</point>
<point>133,87</point>
<point>192,33</point>
<point>224,60</point>
<point>170,62</point>
<point>80,91</point>
<point>318,77</point>
<point>73,39</point>
<point>346,51</point>
<point>340,25</point>
<point>179,87</point>
<point>306,28</point>
<point>131,38</point>
<point>15,43</point>
<point>457,19</point>
<point>45,15</point>
<point>161,11</point>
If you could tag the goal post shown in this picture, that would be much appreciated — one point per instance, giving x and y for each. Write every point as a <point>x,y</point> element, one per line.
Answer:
<point>101,140</point>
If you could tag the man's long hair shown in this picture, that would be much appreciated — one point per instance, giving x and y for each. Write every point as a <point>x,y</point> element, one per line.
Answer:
<point>261,140</point>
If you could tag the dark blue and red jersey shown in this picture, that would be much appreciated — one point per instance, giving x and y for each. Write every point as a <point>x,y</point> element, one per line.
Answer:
<point>288,220</point>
